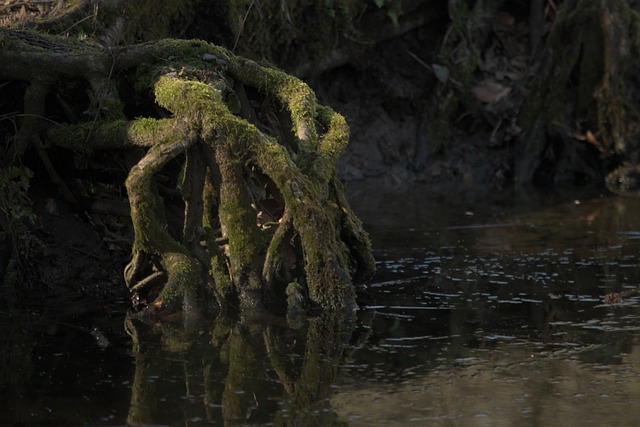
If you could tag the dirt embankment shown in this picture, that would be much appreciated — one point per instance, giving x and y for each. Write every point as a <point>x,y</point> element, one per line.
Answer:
<point>385,95</point>
<point>385,79</point>
<point>386,90</point>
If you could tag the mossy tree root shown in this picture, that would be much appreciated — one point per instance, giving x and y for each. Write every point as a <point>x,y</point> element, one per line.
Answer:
<point>262,205</point>
<point>183,274</point>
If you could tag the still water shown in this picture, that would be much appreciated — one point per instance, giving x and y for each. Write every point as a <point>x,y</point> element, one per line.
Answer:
<point>480,315</point>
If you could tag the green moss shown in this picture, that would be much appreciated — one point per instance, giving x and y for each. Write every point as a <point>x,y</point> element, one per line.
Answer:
<point>336,138</point>
<point>328,283</point>
<point>293,93</point>
<point>145,131</point>
<point>183,275</point>
<point>236,214</point>
<point>220,275</point>
<point>218,271</point>
<point>189,99</point>
<point>142,132</point>
<point>300,100</point>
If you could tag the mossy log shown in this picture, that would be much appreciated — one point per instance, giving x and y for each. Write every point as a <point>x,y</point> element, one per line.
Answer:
<point>262,205</point>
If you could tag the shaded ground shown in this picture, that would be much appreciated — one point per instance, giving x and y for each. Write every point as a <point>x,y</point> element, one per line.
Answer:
<point>384,93</point>
<point>77,253</point>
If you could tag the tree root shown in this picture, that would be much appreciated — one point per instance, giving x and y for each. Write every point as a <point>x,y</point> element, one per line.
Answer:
<point>227,164</point>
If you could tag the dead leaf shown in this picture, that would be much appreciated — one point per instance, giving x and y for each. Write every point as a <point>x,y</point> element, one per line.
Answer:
<point>612,298</point>
<point>591,138</point>
<point>490,91</point>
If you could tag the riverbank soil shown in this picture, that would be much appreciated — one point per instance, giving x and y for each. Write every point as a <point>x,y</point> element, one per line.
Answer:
<point>467,100</point>
<point>465,97</point>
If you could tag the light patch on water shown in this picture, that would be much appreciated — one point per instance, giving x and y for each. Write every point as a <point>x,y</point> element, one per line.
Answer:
<point>499,337</point>
<point>630,235</point>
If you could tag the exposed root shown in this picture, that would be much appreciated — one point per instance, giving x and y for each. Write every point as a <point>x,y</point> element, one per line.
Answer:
<point>258,205</point>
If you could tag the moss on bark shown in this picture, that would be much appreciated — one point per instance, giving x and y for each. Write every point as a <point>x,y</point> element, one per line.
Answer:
<point>231,169</point>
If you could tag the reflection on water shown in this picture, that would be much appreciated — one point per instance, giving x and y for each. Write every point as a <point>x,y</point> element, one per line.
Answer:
<point>496,317</point>
<point>479,315</point>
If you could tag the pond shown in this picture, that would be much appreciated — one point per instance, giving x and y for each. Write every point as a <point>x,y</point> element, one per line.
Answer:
<point>480,314</point>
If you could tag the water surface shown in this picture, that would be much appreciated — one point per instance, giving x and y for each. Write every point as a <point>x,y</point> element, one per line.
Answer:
<point>496,317</point>
<point>480,314</point>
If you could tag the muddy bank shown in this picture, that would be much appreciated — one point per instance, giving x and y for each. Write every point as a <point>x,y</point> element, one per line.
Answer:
<point>384,106</point>
<point>385,92</point>
<point>78,252</point>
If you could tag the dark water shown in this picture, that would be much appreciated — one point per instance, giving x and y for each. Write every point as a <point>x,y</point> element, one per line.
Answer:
<point>487,314</point>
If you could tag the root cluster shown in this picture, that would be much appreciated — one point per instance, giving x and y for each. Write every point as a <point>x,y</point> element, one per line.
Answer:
<point>245,149</point>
